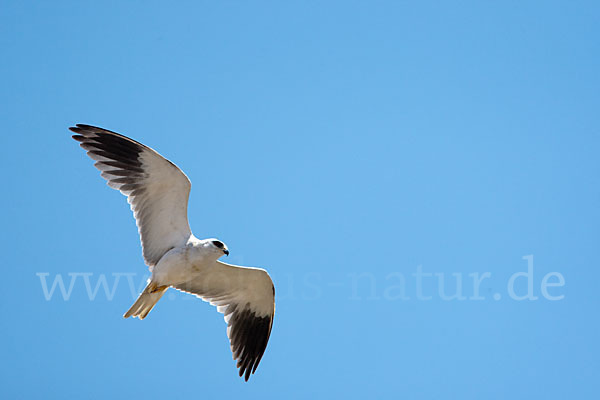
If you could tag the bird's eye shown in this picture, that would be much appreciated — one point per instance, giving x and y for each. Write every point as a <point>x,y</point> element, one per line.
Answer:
<point>218,244</point>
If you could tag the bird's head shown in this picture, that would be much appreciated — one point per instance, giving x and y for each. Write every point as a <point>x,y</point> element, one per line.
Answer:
<point>217,246</point>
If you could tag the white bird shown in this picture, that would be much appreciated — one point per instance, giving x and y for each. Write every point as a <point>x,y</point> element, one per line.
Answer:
<point>158,192</point>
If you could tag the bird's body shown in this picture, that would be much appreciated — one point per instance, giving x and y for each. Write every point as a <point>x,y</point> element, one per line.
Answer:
<point>180,263</point>
<point>158,194</point>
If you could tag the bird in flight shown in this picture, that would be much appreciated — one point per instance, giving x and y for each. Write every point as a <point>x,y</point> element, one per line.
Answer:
<point>158,193</point>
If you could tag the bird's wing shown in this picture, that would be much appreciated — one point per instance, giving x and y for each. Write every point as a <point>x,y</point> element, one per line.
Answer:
<point>246,296</point>
<point>156,189</point>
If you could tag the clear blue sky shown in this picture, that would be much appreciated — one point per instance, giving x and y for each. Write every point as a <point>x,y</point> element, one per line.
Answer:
<point>344,146</point>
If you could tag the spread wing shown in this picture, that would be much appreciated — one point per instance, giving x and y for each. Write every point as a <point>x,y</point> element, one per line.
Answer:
<point>156,189</point>
<point>246,296</point>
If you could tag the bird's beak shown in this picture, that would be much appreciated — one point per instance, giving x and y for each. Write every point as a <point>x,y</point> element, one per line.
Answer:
<point>226,252</point>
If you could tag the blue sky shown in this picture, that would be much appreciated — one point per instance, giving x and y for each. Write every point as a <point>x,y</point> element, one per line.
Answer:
<point>363,152</point>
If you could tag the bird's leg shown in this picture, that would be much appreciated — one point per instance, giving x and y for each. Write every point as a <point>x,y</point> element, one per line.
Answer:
<point>153,287</point>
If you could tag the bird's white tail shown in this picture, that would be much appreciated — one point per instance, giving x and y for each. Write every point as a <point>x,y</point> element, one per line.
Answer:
<point>145,303</point>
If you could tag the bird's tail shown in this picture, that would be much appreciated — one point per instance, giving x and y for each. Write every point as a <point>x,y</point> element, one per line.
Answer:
<point>146,301</point>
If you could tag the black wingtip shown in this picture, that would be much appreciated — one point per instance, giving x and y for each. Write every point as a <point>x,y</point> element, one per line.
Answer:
<point>86,126</point>
<point>81,127</point>
<point>245,373</point>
